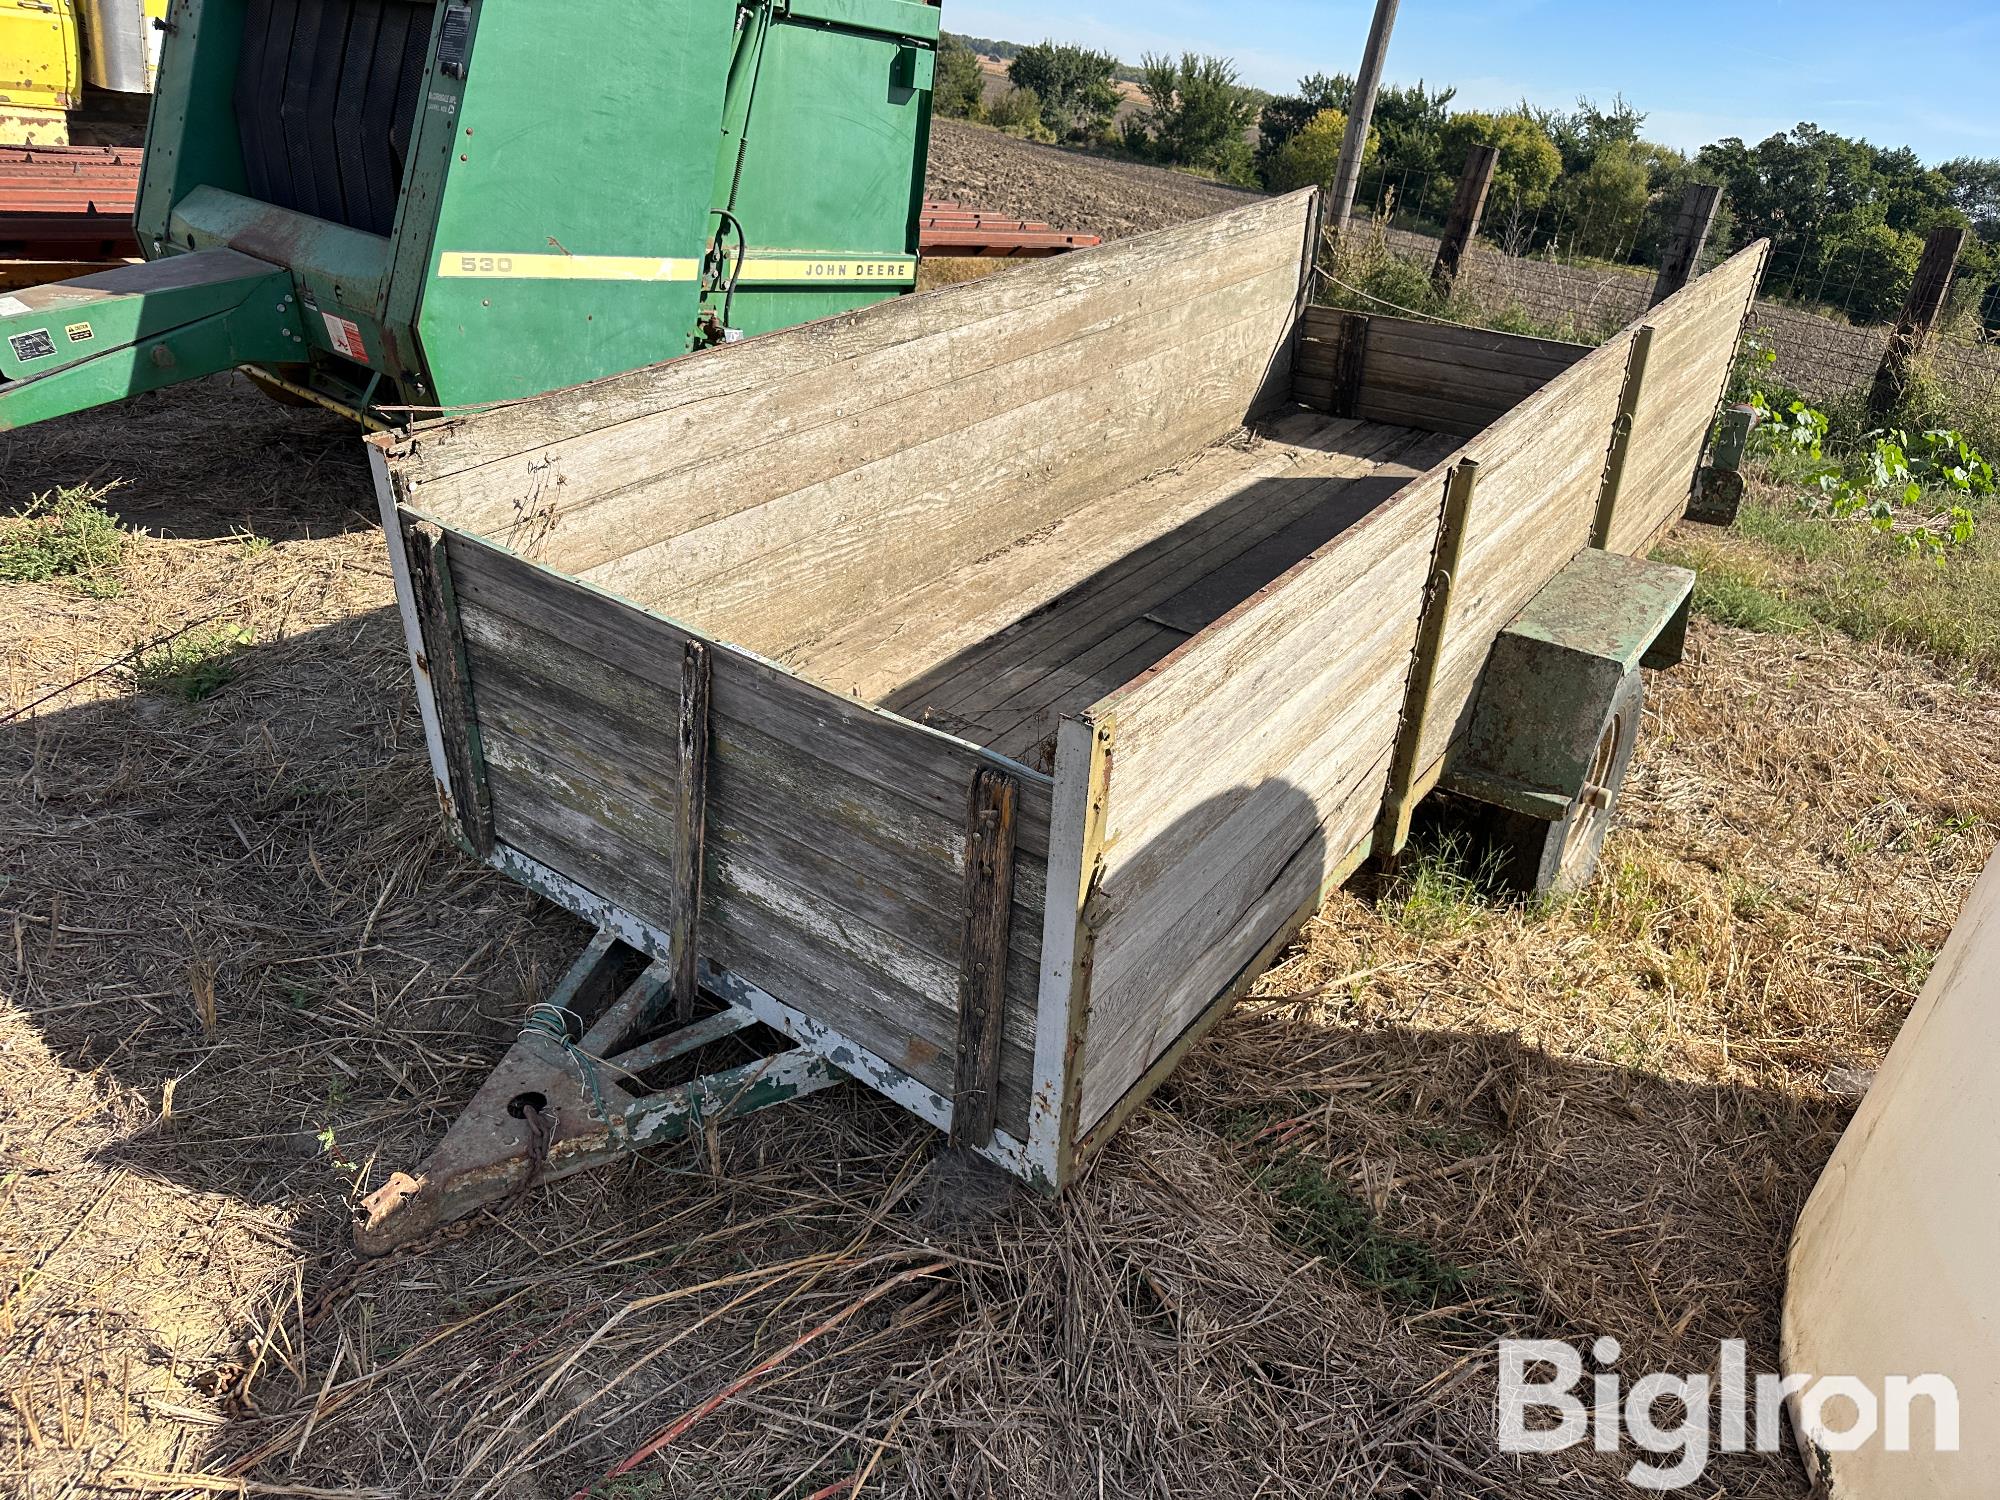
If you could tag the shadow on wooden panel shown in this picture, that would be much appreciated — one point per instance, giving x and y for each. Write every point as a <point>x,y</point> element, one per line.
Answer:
<point>1010,690</point>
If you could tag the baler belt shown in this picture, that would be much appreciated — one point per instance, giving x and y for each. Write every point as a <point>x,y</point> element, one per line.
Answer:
<point>326,99</point>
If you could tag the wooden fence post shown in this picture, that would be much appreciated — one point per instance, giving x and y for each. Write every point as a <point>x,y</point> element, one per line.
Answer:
<point>1691,227</point>
<point>1920,313</point>
<point>1467,204</point>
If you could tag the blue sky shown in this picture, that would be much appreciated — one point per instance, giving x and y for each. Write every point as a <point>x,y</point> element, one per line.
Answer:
<point>1907,74</point>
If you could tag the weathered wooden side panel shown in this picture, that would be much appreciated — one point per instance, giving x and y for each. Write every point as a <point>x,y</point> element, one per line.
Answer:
<point>766,490</point>
<point>835,833</point>
<point>1246,771</point>
<point>1695,333</point>
<point>1431,376</point>
<point>1541,471</point>
<point>1542,474</point>
<point>794,570</point>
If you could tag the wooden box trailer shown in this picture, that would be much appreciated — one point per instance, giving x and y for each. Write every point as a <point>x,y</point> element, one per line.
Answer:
<point>981,688</point>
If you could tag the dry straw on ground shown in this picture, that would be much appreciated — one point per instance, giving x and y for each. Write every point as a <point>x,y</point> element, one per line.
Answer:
<point>244,976</point>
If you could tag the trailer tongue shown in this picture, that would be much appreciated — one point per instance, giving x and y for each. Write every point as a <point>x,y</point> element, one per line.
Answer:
<point>384,204</point>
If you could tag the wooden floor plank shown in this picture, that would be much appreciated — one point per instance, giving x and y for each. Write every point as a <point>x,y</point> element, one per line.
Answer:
<point>1164,557</point>
<point>1238,510</point>
<point>908,636</point>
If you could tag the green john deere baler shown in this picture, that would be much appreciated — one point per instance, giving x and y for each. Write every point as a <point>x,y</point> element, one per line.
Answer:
<point>382,204</point>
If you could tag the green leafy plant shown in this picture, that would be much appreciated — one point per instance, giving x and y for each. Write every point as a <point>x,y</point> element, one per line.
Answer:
<point>959,91</point>
<point>193,666</point>
<point>1018,112</point>
<point>1919,488</point>
<point>1319,1214</point>
<point>1196,116</point>
<point>1072,85</point>
<point>331,1148</point>
<point>66,533</point>
<point>1796,428</point>
<point>1890,478</point>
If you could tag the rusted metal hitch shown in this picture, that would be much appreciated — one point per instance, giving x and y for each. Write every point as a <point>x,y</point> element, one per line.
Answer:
<point>567,1096</point>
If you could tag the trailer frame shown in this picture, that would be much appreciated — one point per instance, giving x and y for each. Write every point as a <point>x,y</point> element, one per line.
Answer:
<point>1019,955</point>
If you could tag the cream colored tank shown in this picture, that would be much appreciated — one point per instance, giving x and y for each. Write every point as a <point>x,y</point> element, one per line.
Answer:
<point>1895,1264</point>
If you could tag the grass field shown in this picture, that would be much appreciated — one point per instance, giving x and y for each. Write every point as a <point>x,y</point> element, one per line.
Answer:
<point>1783,569</point>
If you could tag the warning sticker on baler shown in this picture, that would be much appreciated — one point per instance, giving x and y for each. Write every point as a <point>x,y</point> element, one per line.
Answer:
<point>34,344</point>
<point>346,336</point>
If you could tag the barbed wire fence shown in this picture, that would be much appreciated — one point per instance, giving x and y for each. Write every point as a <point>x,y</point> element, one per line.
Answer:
<point>1554,263</point>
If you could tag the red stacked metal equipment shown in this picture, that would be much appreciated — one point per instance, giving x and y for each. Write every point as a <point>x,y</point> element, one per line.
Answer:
<point>952,229</point>
<point>68,203</point>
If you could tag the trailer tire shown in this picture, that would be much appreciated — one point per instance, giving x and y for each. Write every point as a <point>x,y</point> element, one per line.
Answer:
<point>1543,858</point>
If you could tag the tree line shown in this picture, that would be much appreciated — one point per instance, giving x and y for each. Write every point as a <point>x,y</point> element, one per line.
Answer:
<point>1847,219</point>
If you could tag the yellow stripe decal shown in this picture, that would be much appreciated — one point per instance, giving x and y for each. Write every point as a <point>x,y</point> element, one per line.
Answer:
<point>541,267</point>
<point>799,269</point>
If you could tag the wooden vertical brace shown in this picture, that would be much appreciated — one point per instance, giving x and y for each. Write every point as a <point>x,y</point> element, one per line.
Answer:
<point>1309,272</point>
<point>1691,226</point>
<point>690,826</point>
<point>1392,829</point>
<point>1074,911</point>
<point>982,975</point>
<point>1621,437</point>
<point>443,660</point>
<point>1920,312</point>
<point>1467,204</point>
<point>1350,356</point>
<point>1308,284</point>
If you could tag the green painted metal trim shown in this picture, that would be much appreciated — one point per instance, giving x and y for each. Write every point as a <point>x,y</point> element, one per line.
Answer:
<point>1606,605</point>
<point>900,18</point>
<point>1505,791</point>
<point>115,334</point>
<point>1621,437</point>
<point>1731,438</point>
<point>1392,829</point>
<point>211,218</point>
<point>1551,672</point>
<point>741,1090</point>
<point>414,234</point>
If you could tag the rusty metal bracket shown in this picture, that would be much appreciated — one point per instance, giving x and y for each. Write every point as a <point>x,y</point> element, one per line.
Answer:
<point>1621,438</point>
<point>568,1096</point>
<point>1406,778</point>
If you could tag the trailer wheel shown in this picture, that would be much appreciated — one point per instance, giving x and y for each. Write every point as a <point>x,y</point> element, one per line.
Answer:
<point>1545,858</point>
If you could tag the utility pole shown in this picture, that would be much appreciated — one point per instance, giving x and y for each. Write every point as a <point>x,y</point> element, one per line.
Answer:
<point>1362,115</point>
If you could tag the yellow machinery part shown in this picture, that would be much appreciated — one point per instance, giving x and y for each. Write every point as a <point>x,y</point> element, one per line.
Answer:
<point>41,71</point>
